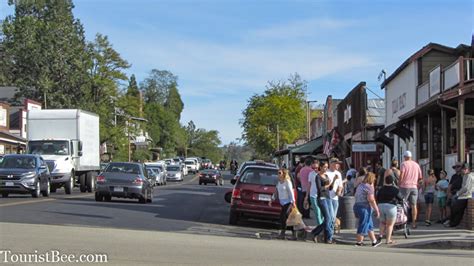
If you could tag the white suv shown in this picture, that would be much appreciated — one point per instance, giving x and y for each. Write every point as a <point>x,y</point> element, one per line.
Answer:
<point>191,165</point>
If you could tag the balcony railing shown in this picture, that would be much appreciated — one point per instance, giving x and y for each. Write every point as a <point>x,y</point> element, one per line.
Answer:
<point>423,92</point>
<point>451,76</point>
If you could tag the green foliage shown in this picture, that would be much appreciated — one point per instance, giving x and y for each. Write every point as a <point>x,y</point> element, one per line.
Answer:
<point>203,143</point>
<point>44,53</point>
<point>283,105</point>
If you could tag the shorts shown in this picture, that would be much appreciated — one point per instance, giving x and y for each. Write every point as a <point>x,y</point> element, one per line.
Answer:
<point>388,212</point>
<point>442,202</point>
<point>364,213</point>
<point>429,198</point>
<point>410,195</point>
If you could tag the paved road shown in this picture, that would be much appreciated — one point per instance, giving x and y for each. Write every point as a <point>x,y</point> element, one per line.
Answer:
<point>132,247</point>
<point>177,207</point>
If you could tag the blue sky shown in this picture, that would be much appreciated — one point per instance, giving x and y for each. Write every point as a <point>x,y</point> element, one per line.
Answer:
<point>225,51</point>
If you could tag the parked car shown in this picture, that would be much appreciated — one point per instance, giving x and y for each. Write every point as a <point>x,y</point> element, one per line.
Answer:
<point>191,165</point>
<point>252,192</point>
<point>24,174</point>
<point>103,166</point>
<point>174,173</point>
<point>211,176</point>
<point>197,162</point>
<point>124,180</point>
<point>247,163</point>
<point>160,170</point>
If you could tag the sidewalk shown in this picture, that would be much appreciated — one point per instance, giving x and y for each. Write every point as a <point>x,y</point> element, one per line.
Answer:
<point>435,236</point>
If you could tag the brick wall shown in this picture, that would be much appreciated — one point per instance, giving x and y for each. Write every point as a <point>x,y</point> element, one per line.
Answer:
<point>468,219</point>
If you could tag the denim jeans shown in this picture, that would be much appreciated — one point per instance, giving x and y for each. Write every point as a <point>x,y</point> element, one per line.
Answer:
<point>328,224</point>
<point>335,207</point>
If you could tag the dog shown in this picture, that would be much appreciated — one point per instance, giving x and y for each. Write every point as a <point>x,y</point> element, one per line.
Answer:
<point>337,226</point>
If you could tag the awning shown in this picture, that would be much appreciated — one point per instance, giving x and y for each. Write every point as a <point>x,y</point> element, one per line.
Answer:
<point>398,129</point>
<point>12,139</point>
<point>311,147</point>
<point>385,140</point>
<point>282,152</point>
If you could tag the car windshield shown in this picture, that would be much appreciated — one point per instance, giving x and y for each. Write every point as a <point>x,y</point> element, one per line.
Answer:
<point>155,169</point>
<point>172,168</point>
<point>260,176</point>
<point>18,162</point>
<point>210,172</point>
<point>188,162</point>
<point>127,168</point>
<point>49,147</point>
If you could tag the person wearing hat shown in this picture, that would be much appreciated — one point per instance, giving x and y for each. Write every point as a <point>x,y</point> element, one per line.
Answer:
<point>459,204</point>
<point>455,183</point>
<point>336,187</point>
<point>410,177</point>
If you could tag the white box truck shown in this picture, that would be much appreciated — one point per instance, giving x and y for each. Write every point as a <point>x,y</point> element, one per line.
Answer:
<point>68,140</point>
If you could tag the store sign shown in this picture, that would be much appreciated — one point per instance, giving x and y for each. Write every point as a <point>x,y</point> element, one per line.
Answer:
<point>468,122</point>
<point>435,81</point>
<point>364,147</point>
<point>400,95</point>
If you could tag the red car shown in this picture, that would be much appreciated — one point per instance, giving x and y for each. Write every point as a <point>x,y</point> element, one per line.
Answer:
<point>252,191</point>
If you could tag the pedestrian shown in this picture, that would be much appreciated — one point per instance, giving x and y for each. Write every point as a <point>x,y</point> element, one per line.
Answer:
<point>394,172</point>
<point>364,207</point>
<point>459,203</point>
<point>454,185</point>
<point>284,194</point>
<point>349,187</point>
<point>441,195</point>
<point>387,198</point>
<point>429,184</point>
<point>303,177</point>
<point>336,187</point>
<point>325,206</point>
<point>380,173</point>
<point>360,178</point>
<point>410,177</point>
<point>312,197</point>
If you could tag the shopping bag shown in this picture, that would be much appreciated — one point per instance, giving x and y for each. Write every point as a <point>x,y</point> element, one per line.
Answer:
<point>295,218</point>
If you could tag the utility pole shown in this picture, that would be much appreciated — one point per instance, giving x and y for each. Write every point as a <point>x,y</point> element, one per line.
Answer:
<point>278,137</point>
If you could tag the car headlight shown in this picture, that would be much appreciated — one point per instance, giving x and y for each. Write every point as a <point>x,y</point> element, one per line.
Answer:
<point>29,175</point>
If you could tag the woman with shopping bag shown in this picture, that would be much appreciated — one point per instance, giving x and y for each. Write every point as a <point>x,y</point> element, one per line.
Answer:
<point>285,194</point>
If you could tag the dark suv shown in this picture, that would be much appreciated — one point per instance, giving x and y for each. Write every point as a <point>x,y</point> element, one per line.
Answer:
<point>252,191</point>
<point>23,174</point>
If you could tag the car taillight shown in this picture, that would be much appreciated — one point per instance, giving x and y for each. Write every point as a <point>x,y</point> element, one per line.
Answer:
<point>100,179</point>
<point>202,175</point>
<point>236,193</point>
<point>138,181</point>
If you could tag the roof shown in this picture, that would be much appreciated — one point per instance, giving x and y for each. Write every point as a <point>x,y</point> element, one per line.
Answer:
<point>5,136</point>
<point>309,147</point>
<point>420,53</point>
<point>375,112</point>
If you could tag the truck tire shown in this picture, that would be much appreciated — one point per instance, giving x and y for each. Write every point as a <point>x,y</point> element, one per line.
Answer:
<point>82,183</point>
<point>90,181</point>
<point>69,185</point>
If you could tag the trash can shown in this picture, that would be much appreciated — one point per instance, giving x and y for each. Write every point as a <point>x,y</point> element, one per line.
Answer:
<point>348,219</point>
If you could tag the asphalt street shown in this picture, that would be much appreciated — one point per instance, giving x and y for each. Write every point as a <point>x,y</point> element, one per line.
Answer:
<point>178,207</point>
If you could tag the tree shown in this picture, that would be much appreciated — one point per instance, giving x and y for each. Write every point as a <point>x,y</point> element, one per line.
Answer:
<point>131,102</point>
<point>283,105</point>
<point>156,87</point>
<point>44,53</point>
<point>174,103</point>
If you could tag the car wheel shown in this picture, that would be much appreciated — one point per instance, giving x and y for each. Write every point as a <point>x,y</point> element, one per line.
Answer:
<point>107,198</point>
<point>98,197</point>
<point>90,181</point>
<point>47,191</point>
<point>82,183</point>
<point>217,183</point>
<point>150,198</point>
<point>36,193</point>
<point>69,184</point>
<point>200,183</point>
<point>4,195</point>
<point>233,218</point>
<point>142,200</point>
<point>205,183</point>
<point>53,188</point>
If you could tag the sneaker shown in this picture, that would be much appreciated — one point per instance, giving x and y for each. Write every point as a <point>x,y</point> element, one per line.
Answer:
<point>446,222</point>
<point>379,238</point>
<point>359,244</point>
<point>427,222</point>
<point>376,243</point>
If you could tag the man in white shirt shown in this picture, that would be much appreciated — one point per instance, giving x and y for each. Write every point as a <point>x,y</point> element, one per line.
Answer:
<point>335,177</point>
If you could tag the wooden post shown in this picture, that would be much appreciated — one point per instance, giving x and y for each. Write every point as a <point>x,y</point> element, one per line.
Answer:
<point>461,134</point>
<point>444,138</point>
<point>430,141</point>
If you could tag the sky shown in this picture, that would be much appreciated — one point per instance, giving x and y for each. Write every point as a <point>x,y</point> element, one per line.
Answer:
<point>225,51</point>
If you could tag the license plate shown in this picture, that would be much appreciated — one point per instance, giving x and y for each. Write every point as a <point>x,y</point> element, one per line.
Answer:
<point>9,184</point>
<point>264,197</point>
<point>118,189</point>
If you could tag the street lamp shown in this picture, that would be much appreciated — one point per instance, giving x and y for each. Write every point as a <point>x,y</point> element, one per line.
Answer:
<point>308,118</point>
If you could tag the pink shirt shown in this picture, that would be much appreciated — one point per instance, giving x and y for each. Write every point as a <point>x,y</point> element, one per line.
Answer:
<point>303,175</point>
<point>411,174</point>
